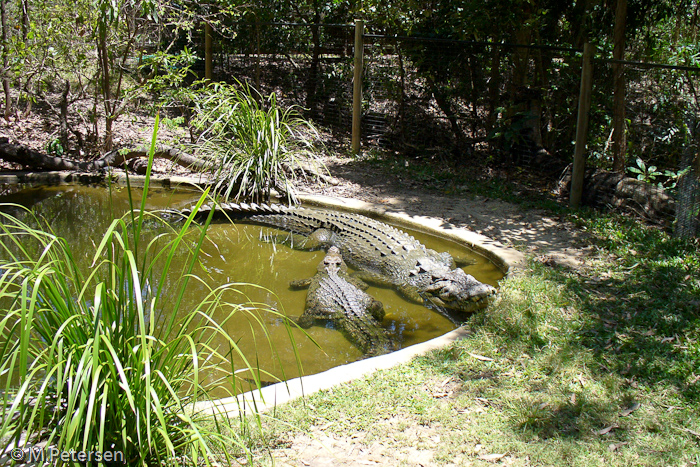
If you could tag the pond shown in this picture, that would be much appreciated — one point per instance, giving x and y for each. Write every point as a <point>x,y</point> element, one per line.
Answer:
<point>239,253</point>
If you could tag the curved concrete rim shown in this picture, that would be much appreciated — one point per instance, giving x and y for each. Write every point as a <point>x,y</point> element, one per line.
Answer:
<point>507,259</point>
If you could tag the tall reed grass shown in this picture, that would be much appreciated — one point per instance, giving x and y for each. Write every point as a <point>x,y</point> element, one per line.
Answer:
<point>256,144</point>
<point>104,360</point>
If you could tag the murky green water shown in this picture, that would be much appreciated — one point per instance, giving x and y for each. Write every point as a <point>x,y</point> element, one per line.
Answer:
<point>235,253</point>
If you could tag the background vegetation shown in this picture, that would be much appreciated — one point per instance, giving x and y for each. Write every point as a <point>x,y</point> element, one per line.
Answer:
<point>98,59</point>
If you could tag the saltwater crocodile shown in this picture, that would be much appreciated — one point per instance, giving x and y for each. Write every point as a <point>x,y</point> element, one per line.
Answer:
<point>334,295</point>
<point>383,255</point>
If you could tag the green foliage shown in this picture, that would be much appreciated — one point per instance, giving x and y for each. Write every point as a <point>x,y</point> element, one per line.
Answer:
<point>104,360</point>
<point>54,147</point>
<point>644,173</point>
<point>165,70</point>
<point>651,173</point>
<point>510,132</point>
<point>254,144</point>
<point>166,79</point>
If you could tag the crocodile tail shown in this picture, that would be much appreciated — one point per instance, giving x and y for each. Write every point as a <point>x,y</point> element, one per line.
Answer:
<point>367,334</point>
<point>297,220</point>
<point>236,211</point>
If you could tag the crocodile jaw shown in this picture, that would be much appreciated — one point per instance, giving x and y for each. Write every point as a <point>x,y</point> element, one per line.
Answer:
<point>457,290</point>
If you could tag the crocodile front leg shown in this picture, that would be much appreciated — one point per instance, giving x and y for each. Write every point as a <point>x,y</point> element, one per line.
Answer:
<point>305,321</point>
<point>300,284</point>
<point>309,317</point>
<point>372,278</point>
<point>411,293</point>
<point>376,309</point>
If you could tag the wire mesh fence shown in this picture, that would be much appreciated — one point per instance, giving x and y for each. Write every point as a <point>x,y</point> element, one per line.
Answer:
<point>657,105</point>
<point>473,102</point>
<point>306,65</point>
<point>456,98</point>
<point>661,106</point>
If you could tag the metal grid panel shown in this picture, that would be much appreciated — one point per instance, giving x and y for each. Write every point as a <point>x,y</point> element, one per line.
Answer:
<point>455,98</point>
<point>282,58</point>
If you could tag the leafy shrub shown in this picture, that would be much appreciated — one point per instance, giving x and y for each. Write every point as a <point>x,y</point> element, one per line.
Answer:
<point>254,144</point>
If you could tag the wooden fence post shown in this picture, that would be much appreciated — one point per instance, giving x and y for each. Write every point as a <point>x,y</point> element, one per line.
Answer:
<point>208,59</point>
<point>584,105</point>
<point>357,86</point>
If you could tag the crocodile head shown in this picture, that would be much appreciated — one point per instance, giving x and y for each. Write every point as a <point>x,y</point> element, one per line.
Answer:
<point>333,261</point>
<point>457,290</point>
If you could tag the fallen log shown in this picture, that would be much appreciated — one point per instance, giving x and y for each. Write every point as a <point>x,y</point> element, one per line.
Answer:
<point>602,189</point>
<point>39,161</point>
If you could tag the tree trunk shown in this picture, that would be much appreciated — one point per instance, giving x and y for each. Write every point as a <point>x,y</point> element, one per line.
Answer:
<point>475,86</point>
<point>40,161</point>
<point>257,53</point>
<point>401,114</point>
<point>63,115</point>
<point>579,24</point>
<point>494,89</point>
<point>521,59</point>
<point>312,80</point>
<point>694,23</point>
<point>445,103</point>
<point>619,145</point>
<point>5,60</point>
<point>103,57</point>
<point>24,4</point>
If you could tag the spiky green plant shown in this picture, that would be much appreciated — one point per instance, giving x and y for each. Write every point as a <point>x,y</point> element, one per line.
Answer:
<point>255,144</point>
<point>104,360</point>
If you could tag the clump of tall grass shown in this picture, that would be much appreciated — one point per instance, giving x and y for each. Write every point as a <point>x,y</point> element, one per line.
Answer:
<point>254,143</point>
<point>104,360</point>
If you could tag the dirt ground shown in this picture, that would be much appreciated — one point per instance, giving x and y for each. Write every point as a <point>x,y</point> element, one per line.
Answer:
<point>531,231</point>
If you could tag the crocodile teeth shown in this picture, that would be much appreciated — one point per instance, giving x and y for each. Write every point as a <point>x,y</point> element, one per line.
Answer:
<point>245,207</point>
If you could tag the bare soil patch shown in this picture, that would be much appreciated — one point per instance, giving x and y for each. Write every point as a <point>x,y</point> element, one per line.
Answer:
<point>530,230</point>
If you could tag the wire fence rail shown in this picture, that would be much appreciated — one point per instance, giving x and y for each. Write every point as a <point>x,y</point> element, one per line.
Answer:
<point>477,102</point>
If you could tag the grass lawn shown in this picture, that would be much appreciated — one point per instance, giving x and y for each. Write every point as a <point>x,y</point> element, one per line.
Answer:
<point>594,366</point>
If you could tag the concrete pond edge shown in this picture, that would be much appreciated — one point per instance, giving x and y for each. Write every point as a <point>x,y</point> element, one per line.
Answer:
<point>507,259</point>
